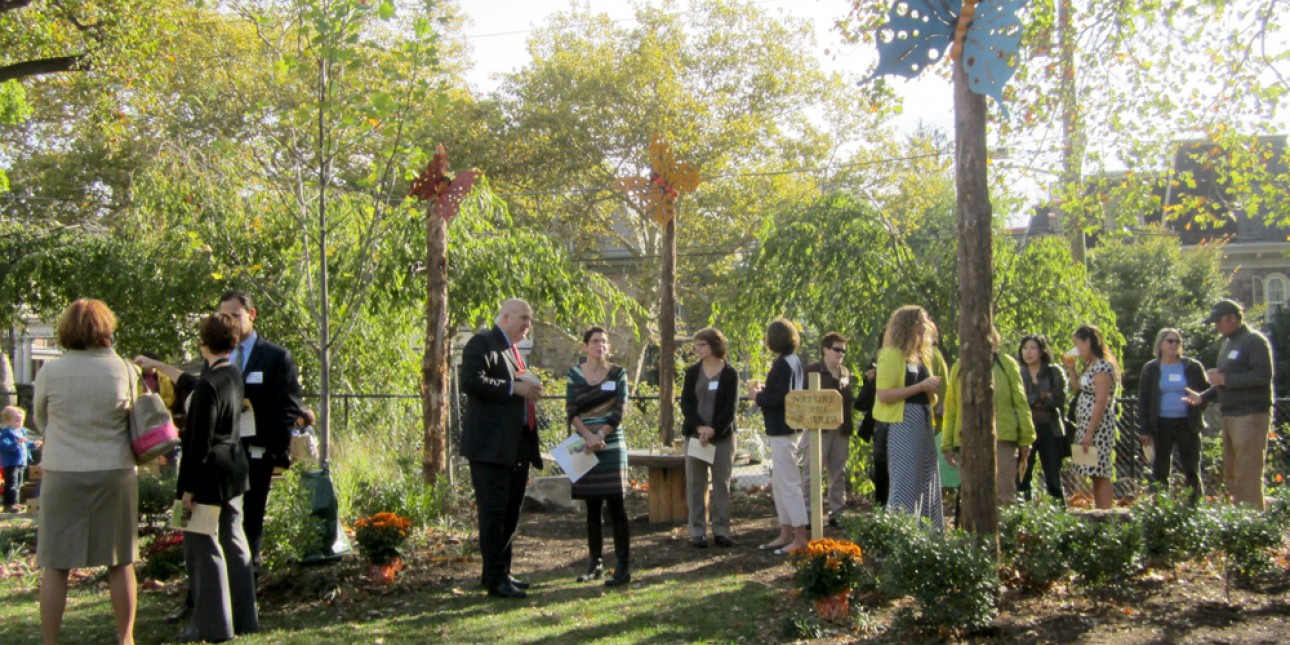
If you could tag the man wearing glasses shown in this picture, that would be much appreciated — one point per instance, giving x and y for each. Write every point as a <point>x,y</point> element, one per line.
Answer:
<point>833,444</point>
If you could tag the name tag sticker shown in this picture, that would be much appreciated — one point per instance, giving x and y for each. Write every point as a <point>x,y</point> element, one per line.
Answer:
<point>1175,378</point>
<point>844,382</point>
<point>1231,356</point>
<point>254,378</point>
<point>257,452</point>
<point>712,385</point>
<point>609,386</point>
<point>913,369</point>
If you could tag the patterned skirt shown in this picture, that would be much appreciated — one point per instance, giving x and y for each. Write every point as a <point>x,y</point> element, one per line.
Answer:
<point>912,466</point>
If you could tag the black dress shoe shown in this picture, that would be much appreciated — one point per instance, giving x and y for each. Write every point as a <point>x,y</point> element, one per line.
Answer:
<point>722,540</point>
<point>506,590</point>
<point>699,542</point>
<point>622,575</point>
<point>518,584</point>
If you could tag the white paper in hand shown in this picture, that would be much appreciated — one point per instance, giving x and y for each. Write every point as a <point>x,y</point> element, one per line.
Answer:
<point>697,450</point>
<point>1081,456</point>
<point>205,519</point>
<point>574,458</point>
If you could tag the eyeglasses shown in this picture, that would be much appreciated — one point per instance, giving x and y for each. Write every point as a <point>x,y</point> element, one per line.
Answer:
<point>840,350</point>
<point>1173,341</point>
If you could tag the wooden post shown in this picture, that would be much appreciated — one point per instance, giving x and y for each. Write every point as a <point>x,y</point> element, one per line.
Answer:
<point>434,362</point>
<point>980,513</point>
<point>816,464</point>
<point>667,332</point>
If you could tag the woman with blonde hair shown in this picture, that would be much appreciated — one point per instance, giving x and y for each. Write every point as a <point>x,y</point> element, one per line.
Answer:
<point>1095,409</point>
<point>1165,420</point>
<point>89,510</point>
<point>906,394</point>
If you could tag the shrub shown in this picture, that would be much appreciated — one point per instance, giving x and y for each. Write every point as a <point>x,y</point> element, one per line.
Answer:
<point>1033,539</point>
<point>954,580</point>
<point>163,556</point>
<point>290,531</point>
<point>1105,551</point>
<point>1172,531</point>
<point>156,497</point>
<point>17,541</point>
<point>1278,503</point>
<point>404,493</point>
<point>878,535</point>
<point>1247,539</point>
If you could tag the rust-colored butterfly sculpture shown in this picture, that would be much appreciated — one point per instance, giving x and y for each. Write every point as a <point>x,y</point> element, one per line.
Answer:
<point>668,180</point>
<point>446,190</point>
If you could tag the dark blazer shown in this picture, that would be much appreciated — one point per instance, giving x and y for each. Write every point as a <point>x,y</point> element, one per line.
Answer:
<point>214,468</point>
<point>1149,395</point>
<point>827,382</point>
<point>490,432</point>
<point>723,413</point>
<point>275,398</point>
<point>779,382</point>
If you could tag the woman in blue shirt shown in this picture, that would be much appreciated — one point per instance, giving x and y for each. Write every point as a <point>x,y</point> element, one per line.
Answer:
<point>1165,420</point>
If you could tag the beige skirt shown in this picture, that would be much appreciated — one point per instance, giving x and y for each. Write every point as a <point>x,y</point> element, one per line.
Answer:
<point>88,519</point>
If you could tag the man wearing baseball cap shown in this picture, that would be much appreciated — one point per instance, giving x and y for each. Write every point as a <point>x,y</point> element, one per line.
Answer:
<point>1242,383</point>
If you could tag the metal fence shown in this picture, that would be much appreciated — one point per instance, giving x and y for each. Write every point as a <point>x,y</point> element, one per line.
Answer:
<point>352,412</point>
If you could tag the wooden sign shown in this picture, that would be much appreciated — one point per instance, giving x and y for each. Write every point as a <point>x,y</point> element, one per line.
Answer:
<point>813,409</point>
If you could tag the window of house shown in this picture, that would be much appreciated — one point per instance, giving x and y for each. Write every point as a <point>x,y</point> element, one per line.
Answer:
<point>1256,291</point>
<point>1275,289</point>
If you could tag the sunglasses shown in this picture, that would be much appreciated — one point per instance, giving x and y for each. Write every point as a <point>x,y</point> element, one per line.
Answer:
<point>840,350</point>
<point>1173,341</point>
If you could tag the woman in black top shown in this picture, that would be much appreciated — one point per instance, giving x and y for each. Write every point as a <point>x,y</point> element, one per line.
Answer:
<point>1045,385</point>
<point>709,395</point>
<point>786,374</point>
<point>214,471</point>
<point>1165,419</point>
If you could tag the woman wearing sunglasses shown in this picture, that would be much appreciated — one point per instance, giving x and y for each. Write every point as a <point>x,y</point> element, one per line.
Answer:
<point>1165,420</point>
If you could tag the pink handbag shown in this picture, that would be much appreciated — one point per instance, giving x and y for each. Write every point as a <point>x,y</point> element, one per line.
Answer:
<point>152,430</point>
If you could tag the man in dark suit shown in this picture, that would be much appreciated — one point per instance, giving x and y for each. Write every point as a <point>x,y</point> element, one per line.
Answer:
<point>272,386</point>
<point>499,437</point>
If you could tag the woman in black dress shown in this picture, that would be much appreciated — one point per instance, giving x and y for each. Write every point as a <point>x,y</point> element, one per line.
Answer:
<point>595,398</point>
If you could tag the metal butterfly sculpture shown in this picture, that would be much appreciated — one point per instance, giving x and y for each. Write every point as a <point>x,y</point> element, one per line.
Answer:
<point>668,180</point>
<point>446,190</point>
<point>986,34</point>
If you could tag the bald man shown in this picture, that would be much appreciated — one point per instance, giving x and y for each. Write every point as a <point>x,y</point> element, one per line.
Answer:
<point>499,437</point>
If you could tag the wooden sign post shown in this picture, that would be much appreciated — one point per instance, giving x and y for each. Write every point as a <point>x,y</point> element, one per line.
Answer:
<point>814,410</point>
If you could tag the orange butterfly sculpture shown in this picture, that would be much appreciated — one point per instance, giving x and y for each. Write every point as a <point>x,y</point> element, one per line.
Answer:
<point>669,179</point>
<point>435,183</point>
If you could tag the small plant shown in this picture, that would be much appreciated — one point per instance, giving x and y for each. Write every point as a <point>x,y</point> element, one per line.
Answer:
<point>1106,553</point>
<point>292,532</point>
<point>1033,539</point>
<point>878,535</point>
<point>1247,539</point>
<point>380,537</point>
<point>794,628</point>
<point>1278,503</point>
<point>1173,531</point>
<point>955,581</point>
<point>163,557</point>
<point>827,567</point>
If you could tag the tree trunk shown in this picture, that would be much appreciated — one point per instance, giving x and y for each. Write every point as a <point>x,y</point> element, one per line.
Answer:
<point>434,364</point>
<point>667,332</point>
<point>1072,128</point>
<point>980,513</point>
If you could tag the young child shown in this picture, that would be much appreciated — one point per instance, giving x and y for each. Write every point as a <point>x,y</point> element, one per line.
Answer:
<point>13,454</point>
<point>304,441</point>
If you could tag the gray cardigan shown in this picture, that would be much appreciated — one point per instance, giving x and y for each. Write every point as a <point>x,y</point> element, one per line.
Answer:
<point>1246,364</point>
<point>80,405</point>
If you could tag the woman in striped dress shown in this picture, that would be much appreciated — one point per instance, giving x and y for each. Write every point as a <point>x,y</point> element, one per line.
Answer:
<point>595,398</point>
<point>906,393</point>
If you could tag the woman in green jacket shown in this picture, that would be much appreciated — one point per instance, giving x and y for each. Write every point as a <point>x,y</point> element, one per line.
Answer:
<point>1014,429</point>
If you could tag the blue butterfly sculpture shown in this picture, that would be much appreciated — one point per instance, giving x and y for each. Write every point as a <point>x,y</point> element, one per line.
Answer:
<point>986,34</point>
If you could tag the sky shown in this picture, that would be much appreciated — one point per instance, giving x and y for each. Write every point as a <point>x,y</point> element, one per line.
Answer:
<point>500,28</point>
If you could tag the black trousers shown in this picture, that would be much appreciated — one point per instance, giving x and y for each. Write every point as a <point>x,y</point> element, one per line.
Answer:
<point>253,504</point>
<point>881,478</point>
<point>1050,451</point>
<point>499,491</point>
<point>1175,433</point>
<point>13,483</point>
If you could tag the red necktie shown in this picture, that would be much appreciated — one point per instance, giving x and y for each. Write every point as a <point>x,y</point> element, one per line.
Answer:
<point>530,410</point>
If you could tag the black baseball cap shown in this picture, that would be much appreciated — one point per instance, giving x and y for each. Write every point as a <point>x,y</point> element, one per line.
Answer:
<point>1224,307</point>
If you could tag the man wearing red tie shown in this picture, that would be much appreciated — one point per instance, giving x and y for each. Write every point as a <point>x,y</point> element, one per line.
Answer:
<point>499,437</point>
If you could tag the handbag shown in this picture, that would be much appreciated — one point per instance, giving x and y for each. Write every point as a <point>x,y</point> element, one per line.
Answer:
<point>152,431</point>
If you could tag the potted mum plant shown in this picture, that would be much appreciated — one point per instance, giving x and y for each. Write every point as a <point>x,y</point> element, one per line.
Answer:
<point>379,538</point>
<point>826,572</point>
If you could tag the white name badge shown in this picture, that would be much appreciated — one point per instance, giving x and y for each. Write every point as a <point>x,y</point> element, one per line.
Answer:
<point>712,385</point>
<point>844,382</point>
<point>257,452</point>
<point>1231,356</point>
<point>1175,378</point>
<point>609,386</point>
<point>255,378</point>
<point>913,369</point>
